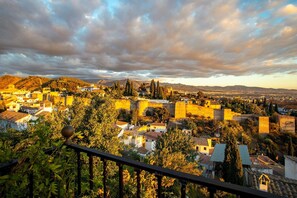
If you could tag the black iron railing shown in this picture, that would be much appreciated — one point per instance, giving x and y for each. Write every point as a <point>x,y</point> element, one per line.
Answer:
<point>159,172</point>
<point>184,178</point>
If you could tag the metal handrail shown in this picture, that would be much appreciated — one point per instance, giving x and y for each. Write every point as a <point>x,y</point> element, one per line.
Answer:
<point>212,184</point>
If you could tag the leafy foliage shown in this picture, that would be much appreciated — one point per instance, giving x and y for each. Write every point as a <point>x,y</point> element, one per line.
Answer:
<point>232,166</point>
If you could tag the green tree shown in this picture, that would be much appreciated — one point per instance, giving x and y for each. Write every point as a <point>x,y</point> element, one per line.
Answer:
<point>174,150</point>
<point>153,89</point>
<point>175,141</point>
<point>264,103</point>
<point>160,114</point>
<point>232,166</point>
<point>127,91</point>
<point>200,95</point>
<point>276,108</point>
<point>158,90</point>
<point>270,109</point>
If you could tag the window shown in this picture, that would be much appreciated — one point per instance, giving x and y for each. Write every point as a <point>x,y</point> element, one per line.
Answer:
<point>204,148</point>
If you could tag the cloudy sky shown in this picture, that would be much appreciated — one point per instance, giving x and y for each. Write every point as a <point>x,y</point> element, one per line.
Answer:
<point>199,42</point>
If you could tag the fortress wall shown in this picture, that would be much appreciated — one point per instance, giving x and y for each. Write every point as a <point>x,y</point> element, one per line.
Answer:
<point>229,114</point>
<point>219,114</point>
<point>155,105</point>
<point>180,110</point>
<point>142,106</point>
<point>263,124</point>
<point>123,104</point>
<point>170,107</point>
<point>200,111</point>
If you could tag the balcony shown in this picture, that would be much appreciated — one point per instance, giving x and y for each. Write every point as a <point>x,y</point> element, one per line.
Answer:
<point>212,186</point>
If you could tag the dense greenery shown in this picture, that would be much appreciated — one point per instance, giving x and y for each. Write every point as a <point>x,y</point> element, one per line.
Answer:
<point>232,165</point>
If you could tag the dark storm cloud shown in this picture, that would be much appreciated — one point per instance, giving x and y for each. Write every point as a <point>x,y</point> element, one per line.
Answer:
<point>147,39</point>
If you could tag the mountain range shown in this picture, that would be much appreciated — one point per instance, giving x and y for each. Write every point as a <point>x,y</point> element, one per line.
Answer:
<point>34,83</point>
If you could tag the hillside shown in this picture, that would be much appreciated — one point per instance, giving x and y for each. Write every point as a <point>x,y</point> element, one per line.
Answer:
<point>31,83</point>
<point>7,79</point>
<point>68,83</point>
<point>122,82</point>
<point>212,90</point>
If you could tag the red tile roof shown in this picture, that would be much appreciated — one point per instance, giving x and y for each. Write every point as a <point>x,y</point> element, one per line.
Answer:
<point>12,116</point>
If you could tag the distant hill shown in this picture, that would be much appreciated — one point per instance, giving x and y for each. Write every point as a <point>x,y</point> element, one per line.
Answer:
<point>122,82</point>
<point>68,83</point>
<point>7,79</point>
<point>31,83</point>
<point>218,89</point>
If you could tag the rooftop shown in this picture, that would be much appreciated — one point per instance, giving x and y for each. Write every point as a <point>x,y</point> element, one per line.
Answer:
<point>278,185</point>
<point>219,154</point>
<point>152,135</point>
<point>200,141</point>
<point>292,158</point>
<point>12,116</point>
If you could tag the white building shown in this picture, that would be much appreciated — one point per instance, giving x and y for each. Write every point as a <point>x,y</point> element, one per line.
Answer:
<point>158,127</point>
<point>291,167</point>
<point>15,120</point>
<point>123,125</point>
<point>151,139</point>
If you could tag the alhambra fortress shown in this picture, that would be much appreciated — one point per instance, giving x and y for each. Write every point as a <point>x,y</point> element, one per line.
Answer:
<point>183,109</point>
<point>178,110</point>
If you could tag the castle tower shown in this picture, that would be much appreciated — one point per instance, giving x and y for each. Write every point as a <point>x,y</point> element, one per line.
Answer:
<point>180,110</point>
<point>142,107</point>
<point>263,124</point>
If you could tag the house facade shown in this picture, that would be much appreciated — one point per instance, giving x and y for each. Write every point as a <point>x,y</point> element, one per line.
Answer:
<point>16,120</point>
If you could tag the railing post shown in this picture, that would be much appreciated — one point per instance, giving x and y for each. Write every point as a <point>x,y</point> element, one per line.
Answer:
<point>78,174</point>
<point>91,172</point>
<point>104,178</point>
<point>159,190</point>
<point>138,183</point>
<point>211,191</point>
<point>183,188</point>
<point>121,184</point>
<point>31,184</point>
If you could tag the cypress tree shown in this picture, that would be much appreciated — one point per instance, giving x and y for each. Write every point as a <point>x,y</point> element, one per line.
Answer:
<point>162,94</point>
<point>270,109</point>
<point>290,147</point>
<point>153,89</point>
<point>264,103</point>
<point>276,108</point>
<point>232,166</point>
<point>131,88</point>
<point>158,90</point>
<point>127,88</point>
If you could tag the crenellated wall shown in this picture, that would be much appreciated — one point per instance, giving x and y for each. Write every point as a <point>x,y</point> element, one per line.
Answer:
<point>180,110</point>
<point>200,111</point>
<point>123,104</point>
<point>142,106</point>
<point>263,124</point>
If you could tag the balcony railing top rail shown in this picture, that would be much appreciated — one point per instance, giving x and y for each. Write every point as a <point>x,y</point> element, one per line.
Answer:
<point>211,184</point>
<point>159,172</point>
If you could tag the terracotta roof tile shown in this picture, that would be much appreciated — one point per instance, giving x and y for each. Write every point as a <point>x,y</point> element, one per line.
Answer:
<point>12,116</point>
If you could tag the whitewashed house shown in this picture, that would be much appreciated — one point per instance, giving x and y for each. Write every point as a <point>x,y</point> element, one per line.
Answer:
<point>15,120</point>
